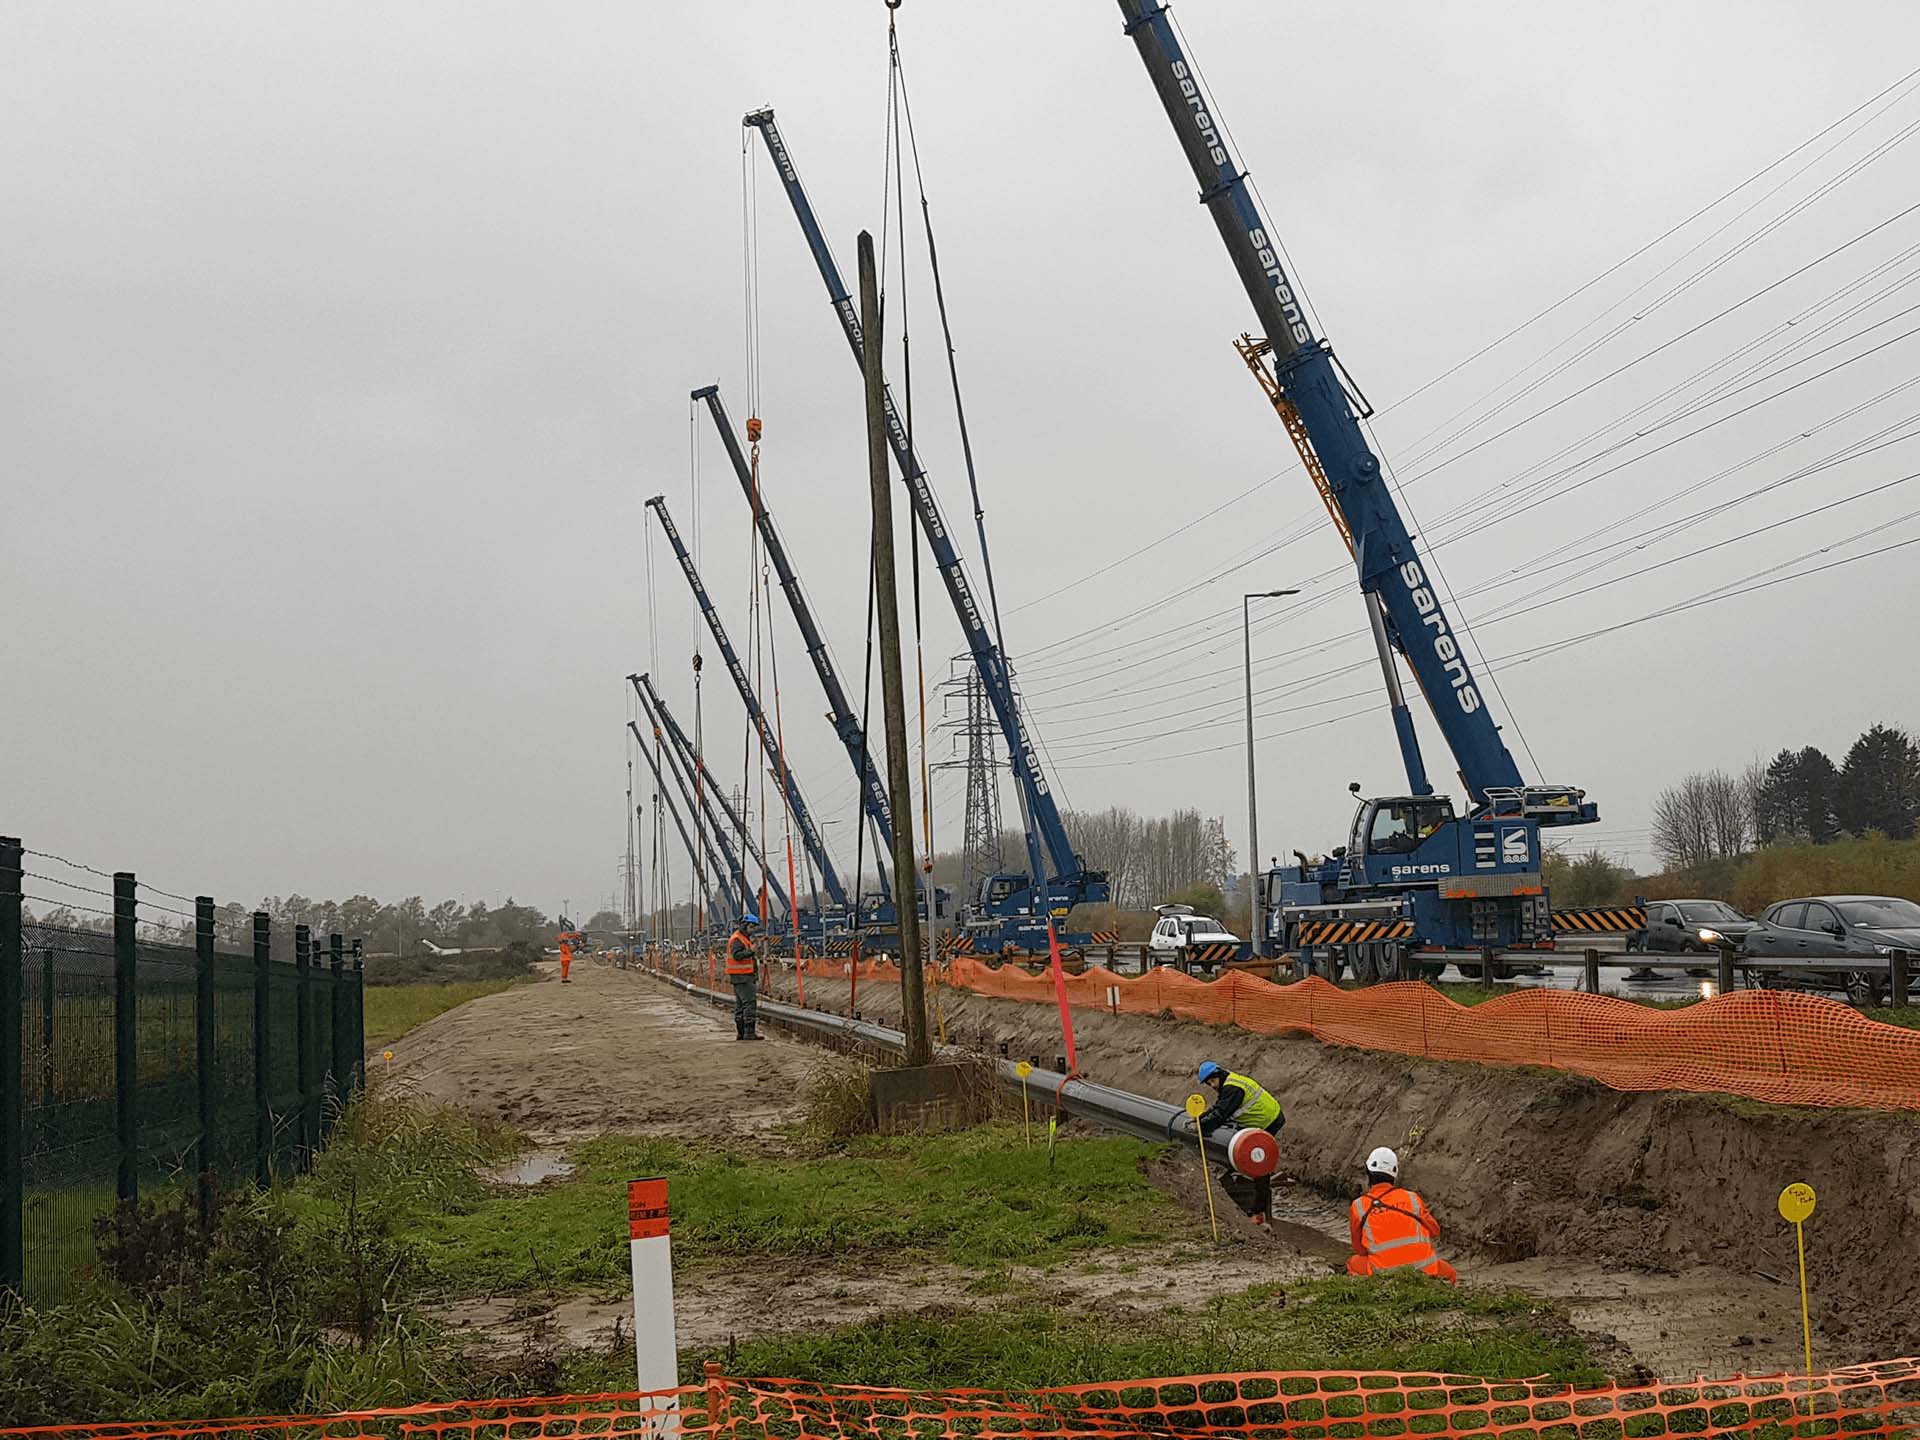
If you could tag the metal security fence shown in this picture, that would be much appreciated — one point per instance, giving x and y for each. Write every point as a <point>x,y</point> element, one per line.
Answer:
<point>135,1064</point>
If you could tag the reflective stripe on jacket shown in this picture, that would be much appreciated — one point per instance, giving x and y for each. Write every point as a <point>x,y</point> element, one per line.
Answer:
<point>1393,1227</point>
<point>1259,1110</point>
<point>741,960</point>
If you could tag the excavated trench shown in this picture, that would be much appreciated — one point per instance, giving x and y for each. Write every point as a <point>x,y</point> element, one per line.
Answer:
<point>1652,1215</point>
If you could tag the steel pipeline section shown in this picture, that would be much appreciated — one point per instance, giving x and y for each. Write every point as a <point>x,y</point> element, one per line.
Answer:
<point>1101,1104</point>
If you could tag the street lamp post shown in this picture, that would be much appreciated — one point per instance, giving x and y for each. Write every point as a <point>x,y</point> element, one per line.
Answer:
<point>1254,877</point>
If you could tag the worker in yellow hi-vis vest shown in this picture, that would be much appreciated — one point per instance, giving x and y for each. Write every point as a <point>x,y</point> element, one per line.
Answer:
<point>1242,1101</point>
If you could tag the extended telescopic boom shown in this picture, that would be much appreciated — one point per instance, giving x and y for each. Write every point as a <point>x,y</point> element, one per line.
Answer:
<point>1066,869</point>
<point>802,817</point>
<point>1390,570</point>
<point>693,855</point>
<point>686,760</point>
<point>873,794</point>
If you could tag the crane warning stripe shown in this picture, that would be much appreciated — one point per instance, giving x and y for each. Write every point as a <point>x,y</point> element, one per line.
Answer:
<point>1608,920</point>
<point>646,1209</point>
<point>1351,932</point>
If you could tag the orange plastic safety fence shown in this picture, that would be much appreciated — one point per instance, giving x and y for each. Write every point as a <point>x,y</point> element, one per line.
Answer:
<point>1778,1046</point>
<point>1867,1400</point>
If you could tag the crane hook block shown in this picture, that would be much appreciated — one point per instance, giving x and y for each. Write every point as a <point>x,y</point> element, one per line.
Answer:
<point>753,429</point>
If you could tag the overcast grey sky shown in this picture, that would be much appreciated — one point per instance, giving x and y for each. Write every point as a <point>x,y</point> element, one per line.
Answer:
<point>343,343</point>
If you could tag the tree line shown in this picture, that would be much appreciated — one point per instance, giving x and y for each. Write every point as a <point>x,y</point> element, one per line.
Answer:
<point>386,928</point>
<point>1800,795</point>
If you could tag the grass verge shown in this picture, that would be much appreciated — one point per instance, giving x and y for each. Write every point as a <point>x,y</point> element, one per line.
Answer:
<point>393,1010</point>
<point>979,1198</point>
<point>1387,1323</point>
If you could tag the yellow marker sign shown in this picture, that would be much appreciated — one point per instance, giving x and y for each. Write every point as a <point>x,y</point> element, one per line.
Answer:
<point>1796,1204</point>
<point>1053,1128</point>
<point>1196,1107</point>
<point>1023,1069</point>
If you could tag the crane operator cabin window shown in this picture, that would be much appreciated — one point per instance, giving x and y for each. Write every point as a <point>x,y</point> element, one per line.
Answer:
<point>1402,826</point>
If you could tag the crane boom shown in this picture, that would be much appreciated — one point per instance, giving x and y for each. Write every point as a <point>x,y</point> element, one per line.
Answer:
<point>686,762</point>
<point>802,817</point>
<point>721,855</point>
<point>873,794</point>
<point>666,794</point>
<point>1073,882</point>
<point>1399,591</point>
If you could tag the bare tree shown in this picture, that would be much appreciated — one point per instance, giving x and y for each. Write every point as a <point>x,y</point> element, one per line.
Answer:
<point>1728,812</point>
<point>1682,832</point>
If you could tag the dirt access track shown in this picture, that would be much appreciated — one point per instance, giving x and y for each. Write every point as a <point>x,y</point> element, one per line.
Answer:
<point>1651,1215</point>
<point>602,1054</point>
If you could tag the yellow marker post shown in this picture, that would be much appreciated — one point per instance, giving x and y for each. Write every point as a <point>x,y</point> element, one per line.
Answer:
<point>1796,1204</point>
<point>1053,1129</point>
<point>1023,1070</point>
<point>1196,1107</point>
<point>387,1055</point>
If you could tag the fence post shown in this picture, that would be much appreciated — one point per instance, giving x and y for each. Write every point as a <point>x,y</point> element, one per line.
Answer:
<point>341,1065</point>
<point>1723,982</point>
<point>13,1150</point>
<point>203,1044</point>
<point>303,1041</point>
<point>359,1017</point>
<point>126,1035</point>
<point>1897,979</point>
<point>262,1049</point>
<point>1593,971</point>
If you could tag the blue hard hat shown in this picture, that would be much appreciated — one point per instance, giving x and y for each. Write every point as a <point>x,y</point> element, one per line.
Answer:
<point>749,918</point>
<point>1208,1069</point>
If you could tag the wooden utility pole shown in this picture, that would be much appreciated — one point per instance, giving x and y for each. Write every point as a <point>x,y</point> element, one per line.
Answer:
<point>893,693</point>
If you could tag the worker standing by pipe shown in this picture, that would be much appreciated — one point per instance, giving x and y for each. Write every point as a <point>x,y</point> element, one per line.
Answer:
<point>743,973</point>
<point>1245,1103</point>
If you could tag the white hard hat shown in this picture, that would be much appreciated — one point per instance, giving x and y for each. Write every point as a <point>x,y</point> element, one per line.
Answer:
<point>1384,1162</point>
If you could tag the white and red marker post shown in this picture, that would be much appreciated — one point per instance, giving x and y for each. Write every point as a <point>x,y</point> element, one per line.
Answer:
<point>654,1345</point>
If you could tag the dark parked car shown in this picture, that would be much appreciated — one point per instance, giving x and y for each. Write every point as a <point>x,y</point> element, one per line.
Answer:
<point>1838,926</point>
<point>1675,926</point>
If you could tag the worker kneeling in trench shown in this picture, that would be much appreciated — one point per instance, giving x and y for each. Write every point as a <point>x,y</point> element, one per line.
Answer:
<point>1391,1226</point>
<point>1244,1102</point>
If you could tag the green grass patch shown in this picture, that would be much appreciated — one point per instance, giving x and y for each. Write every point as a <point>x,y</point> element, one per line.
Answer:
<point>1391,1323</point>
<point>978,1198</point>
<point>393,1010</point>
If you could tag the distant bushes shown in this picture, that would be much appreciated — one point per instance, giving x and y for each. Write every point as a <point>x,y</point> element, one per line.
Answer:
<point>507,962</point>
<point>1872,866</point>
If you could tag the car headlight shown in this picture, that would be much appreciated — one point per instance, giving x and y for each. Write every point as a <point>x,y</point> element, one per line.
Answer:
<point>1883,950</point>
<point>1712,937</point>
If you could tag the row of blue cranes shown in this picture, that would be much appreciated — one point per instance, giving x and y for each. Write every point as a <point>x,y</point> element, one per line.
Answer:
<point>1415,877</point>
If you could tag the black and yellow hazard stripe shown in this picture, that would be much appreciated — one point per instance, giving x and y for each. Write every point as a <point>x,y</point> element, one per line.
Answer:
<point>1600,920</point>
<point>956,943</point>
<point>1352,932</point>
<point>1211,954</point>
<point>1106,937</point>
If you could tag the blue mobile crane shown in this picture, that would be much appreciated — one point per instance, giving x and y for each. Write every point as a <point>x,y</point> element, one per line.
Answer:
<point>802,816</point>
<point>705,862</point>
<point>873,793</point>
<point>691,770</point>
<point>1012,910</point>
<point>1414,880</point>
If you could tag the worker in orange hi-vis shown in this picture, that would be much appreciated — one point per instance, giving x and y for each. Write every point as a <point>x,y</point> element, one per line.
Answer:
<point>743,973</point>
<point>566,956</point>
<point>1391,1226</point>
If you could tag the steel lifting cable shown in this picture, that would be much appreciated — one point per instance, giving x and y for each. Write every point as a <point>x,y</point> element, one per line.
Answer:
<point>896,82</point>
<point>699,731</point>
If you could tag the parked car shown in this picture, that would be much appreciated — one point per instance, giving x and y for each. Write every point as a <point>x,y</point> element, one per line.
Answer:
<point>1676,926</point>
<point>1816,927</point>
<point>1180,931</point>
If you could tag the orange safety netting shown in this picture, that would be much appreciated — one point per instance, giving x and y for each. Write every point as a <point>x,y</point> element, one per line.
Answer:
<point>1866,1400</point>
<point>1778,1046</point>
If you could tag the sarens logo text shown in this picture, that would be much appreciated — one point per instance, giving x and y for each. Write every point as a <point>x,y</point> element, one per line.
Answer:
<point>1444,644</point>
<point>1269,261</point>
